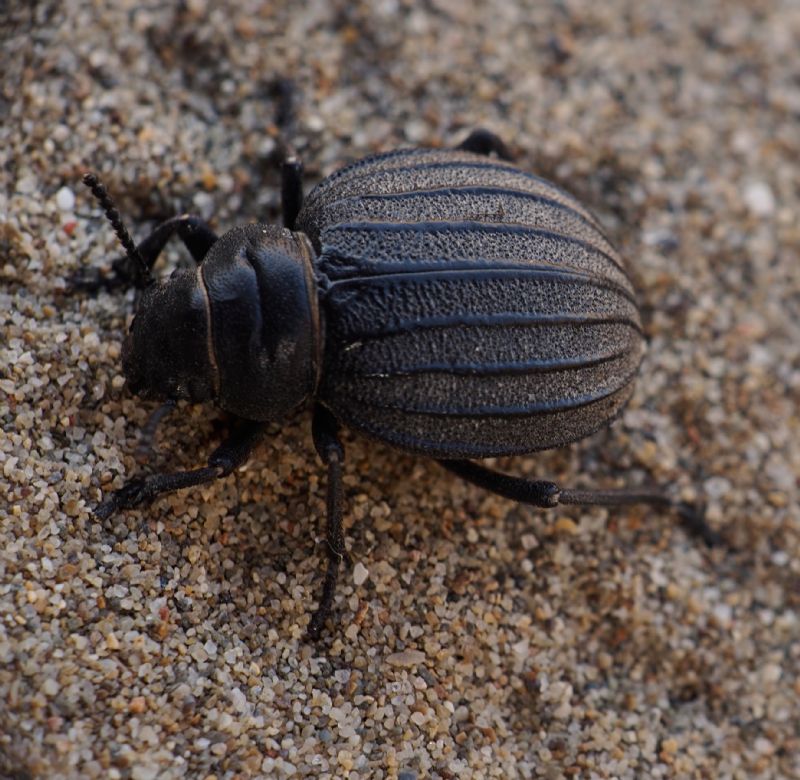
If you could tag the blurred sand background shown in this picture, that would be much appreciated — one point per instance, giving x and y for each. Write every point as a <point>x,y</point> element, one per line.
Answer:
<point>477,638</point>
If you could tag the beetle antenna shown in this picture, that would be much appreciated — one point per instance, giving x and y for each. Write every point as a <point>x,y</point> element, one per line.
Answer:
<point>112,214</point>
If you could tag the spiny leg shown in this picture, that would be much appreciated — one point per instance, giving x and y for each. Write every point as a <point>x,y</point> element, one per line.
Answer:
<point>232,453</point>
<point>548,495</point>
<point>326,439</point>
<point>482,141</point>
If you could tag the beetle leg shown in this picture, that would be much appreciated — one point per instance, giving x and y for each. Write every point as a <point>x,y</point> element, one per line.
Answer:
<point>134,268</point>
<point>291,189</point>
<point>194,231</point>
<point>284,91</point>
<point>148,433</point>
<point>549,494</point>
<point>482,141</point>
<point>692,517</point>
<point>326,440</point>
<point>232,453</point>
<point>538,492</point>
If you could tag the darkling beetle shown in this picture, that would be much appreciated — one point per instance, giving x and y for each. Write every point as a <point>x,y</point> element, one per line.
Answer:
<point>442,301</point>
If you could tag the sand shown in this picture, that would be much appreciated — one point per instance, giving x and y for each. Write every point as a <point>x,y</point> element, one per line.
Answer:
<point>476,638</point>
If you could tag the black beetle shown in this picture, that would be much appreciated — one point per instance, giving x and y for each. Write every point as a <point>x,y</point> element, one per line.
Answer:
<point>442,301</point>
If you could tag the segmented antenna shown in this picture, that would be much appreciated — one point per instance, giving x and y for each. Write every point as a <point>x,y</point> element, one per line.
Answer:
<point>113,216</point>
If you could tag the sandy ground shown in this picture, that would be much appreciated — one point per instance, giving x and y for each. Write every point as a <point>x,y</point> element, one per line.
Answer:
<point>477,638</point>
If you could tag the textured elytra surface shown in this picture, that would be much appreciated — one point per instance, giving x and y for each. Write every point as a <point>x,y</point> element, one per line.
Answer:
<point>470,308</point>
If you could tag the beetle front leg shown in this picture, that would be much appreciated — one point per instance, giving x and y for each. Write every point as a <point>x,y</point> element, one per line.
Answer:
<point>195,233</point>
<point>134,268</point>
<point>231,454</point>
<point>546,494</point>
<point>325,431</point>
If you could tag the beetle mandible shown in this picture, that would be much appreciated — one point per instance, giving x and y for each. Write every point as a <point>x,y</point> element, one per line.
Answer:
<point>442,301</point>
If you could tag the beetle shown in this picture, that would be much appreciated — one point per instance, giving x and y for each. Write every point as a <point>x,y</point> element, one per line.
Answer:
<point>442,301</point>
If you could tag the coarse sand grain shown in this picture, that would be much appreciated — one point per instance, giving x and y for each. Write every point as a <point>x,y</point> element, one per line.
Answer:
<point>476,638</point>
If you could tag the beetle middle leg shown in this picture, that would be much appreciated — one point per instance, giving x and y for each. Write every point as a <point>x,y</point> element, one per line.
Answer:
<point>325,431</point>
<point>231,454</point>
<point>291,189</point>
<point>547,495</point>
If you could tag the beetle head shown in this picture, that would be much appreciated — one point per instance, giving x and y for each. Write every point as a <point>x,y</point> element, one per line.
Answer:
<point>166,353</point>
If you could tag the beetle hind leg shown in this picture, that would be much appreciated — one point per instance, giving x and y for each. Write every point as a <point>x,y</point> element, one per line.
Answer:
<point>330,449</point>
<point>546,494</point>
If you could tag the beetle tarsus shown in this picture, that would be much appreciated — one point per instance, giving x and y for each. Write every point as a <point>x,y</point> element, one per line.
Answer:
<point>483,141</point>
<point>130,495</point>
<point>692,517</point>
<point>143,490</point>
<point>693,520</point>
<point>91,280</point>
<point>284,92</point>
<point>330,449</point>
